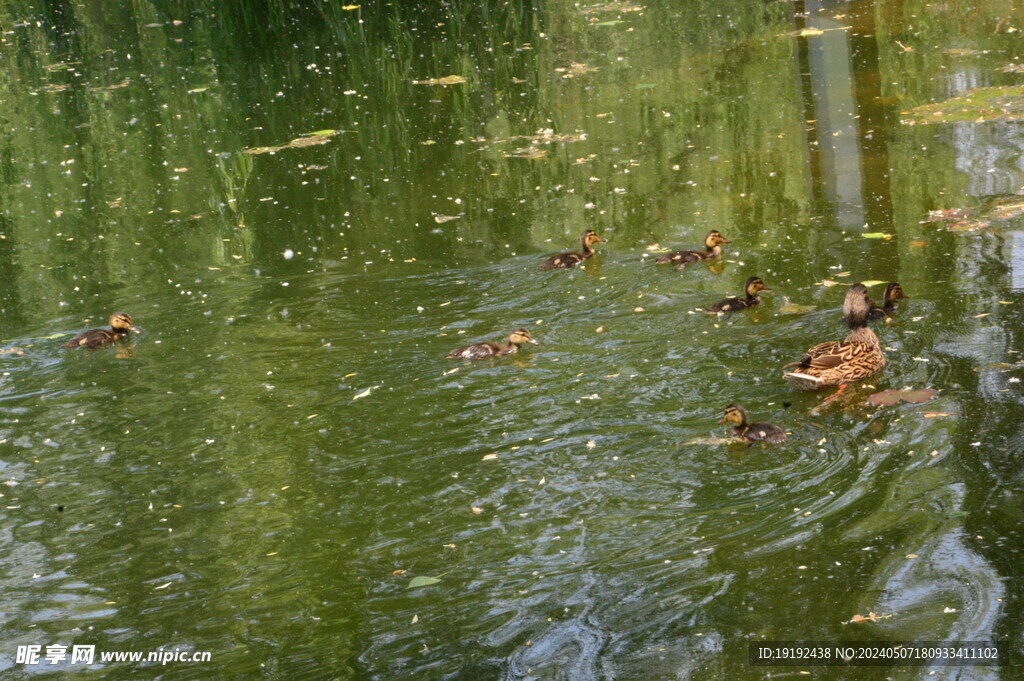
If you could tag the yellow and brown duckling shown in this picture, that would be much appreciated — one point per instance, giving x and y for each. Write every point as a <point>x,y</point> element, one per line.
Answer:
<point>837,363</point>
<point>752,288</point>
<point>120,325</point>
<point>570,259</point>
<point>713,249</point>
<point>489,349</point>
<point>893,293</point>
<point>751,432</point>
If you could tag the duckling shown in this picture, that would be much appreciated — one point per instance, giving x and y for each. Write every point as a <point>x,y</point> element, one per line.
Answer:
<point>120,325</point>
<point>751,432</point>
<point>489,349</point>
<point>712,242</point>
<point>753,286</point>
<point>566,260</point>
<point>838,363</point>
<point>893,293</point>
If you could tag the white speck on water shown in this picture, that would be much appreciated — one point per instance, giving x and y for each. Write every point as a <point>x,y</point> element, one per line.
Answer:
<point>288,254</point>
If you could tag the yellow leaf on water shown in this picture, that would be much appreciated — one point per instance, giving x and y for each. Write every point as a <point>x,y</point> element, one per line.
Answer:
<point>349,8</point>
<point>488,457</point>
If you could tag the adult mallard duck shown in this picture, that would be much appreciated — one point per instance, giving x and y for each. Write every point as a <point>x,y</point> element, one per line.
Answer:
<point>837,363</point>
<point>893,293</point>
<point>489,349</point>
<point>753,286</point>
<point>570,259</point>
<point>120,325</point>
<point>751,432</point>
<point>713,249</point>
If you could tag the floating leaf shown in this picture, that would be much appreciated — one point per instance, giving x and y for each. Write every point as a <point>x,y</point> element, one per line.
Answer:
<point>446,80</point>
<point>888,398</point>
<point>365,392</point>
<point>793,308</point>
<point>422,580</point>
<point>876,235</point>
<point>871,617</point>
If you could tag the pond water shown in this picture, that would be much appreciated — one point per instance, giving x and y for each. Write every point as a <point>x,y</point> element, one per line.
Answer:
<point>265,470</point>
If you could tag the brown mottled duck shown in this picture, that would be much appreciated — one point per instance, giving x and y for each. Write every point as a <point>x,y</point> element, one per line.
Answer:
<point>751,432</point>
<point>838,363</point>
<point>753,286</point>
<point>489,349</point>
<point>712,249</point>
<point>571,259</point>
<point>120,325</point>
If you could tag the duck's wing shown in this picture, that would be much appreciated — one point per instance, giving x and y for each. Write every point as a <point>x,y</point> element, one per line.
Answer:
<point>680,257</point>
<point>561,261</point>
<point>93,338</point>
<point>474,351</point>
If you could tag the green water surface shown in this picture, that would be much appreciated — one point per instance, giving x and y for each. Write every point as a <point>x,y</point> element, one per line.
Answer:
<point>263,471</point>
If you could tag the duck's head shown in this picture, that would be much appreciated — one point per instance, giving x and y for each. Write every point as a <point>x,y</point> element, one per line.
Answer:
<point>754,286</point>
<point>856,306</point>
<point>734,413</point>
<point>122,322</point>
<point>714,238</point>
<point>520,336</point>
<point>894,292</point>
<point>590,238</point>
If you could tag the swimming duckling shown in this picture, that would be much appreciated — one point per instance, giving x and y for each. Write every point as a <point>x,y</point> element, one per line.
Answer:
<point>838,363</point>
<point>893,293</point>
<point>120,325</point>
<point>753,286</point>
<point>751,432</point>
<point>489,349</point>
<point>566,260</point>
<point>712,242</point>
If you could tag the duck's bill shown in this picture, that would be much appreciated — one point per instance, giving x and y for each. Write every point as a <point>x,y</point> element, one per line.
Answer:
<point>723,421</point>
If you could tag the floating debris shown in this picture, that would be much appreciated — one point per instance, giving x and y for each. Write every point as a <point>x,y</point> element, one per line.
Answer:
<point>983,216</point>
<point>979,105</point>
<point>889,398</point>
<point>308,140</point>
<point>446,80</point>
<point>575,69</point>
<point>616,6</point>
